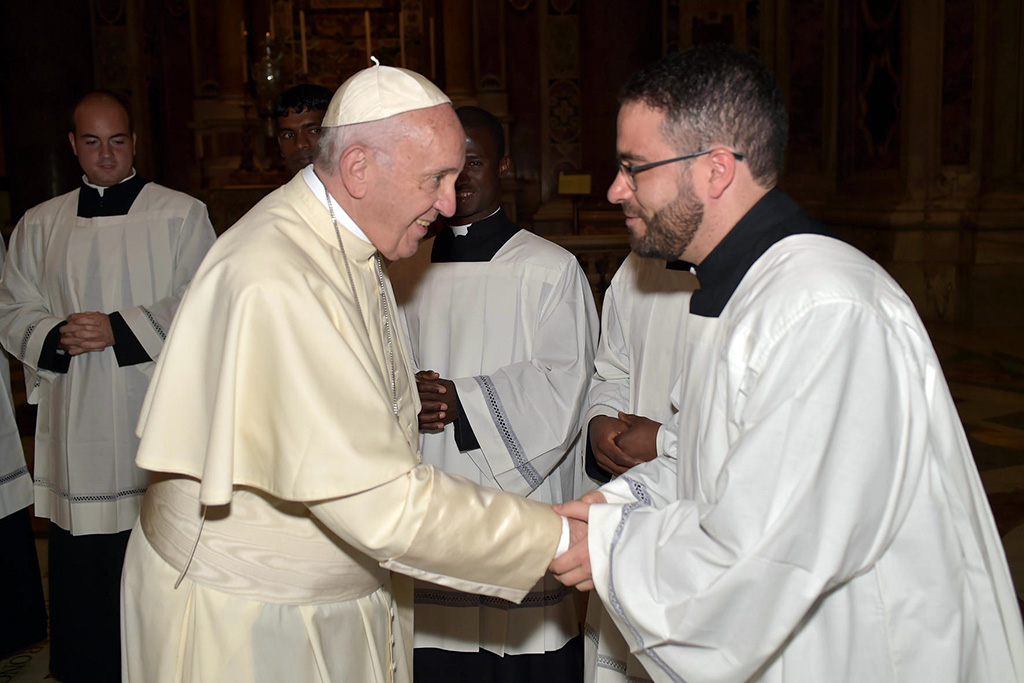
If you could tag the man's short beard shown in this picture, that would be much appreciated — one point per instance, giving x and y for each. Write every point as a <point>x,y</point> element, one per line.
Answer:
<point>672,228</point>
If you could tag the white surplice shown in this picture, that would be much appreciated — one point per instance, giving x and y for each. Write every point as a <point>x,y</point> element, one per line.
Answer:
<point>15,480</point>
<point>288,481</point>
<point>820,517</point>
<point>516,335</point>
<point>138,265</point>
<point>643,325</point>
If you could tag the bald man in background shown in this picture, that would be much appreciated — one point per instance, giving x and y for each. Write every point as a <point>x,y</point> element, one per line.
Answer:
<point>91,284</point>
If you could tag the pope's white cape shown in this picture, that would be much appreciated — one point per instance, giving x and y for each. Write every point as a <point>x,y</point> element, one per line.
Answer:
<point>262,366</point>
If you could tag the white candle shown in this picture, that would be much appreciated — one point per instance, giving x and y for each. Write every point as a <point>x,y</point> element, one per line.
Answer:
<point>433,59</point>
<point>369,44</point>
<point>401,38</point>
<point>302,38</point>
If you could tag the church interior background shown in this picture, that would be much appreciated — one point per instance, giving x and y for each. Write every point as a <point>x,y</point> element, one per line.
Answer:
<point>906,133</point>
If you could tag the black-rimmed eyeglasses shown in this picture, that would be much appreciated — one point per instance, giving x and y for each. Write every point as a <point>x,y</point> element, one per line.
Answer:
<point>631,171</point>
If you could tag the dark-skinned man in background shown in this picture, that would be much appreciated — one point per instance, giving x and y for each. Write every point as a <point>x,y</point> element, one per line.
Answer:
<point>502,327</point>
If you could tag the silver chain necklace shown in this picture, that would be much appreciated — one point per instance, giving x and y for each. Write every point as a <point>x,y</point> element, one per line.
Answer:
<point>383,300</point>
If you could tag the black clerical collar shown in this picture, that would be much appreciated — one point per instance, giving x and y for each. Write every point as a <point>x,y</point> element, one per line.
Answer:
<point>480,243</point>
<point>115,201</point>
<point>773,218</point>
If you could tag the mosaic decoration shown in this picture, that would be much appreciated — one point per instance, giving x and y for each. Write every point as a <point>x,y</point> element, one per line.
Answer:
<point>563,152</point>
<point>489,23</point>
<point>111,63</point>
<point>206,71</point>
<point>736,22</point>
<point>806,86</point>
<point>957,81</point>
<point>877,142</point>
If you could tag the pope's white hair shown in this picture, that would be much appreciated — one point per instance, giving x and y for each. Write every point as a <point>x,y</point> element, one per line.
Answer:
<point>379,136</point>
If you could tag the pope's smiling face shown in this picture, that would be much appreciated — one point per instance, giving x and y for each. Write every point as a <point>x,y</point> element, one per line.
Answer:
<point>416,182</point>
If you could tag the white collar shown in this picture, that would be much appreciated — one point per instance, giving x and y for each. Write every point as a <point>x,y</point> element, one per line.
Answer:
<point>100,188</point>
<point>320,192</point>
<point>462,230</point>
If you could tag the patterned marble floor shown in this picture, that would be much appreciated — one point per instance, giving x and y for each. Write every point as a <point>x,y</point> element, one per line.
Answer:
<point>985,372</point>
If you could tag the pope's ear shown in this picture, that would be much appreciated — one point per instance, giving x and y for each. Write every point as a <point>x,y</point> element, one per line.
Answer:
<point>355,169</point>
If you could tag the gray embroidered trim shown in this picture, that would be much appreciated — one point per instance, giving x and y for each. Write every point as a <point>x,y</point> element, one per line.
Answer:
<point>90,498</point>
<point>639,491</point>
<point>24,340</point>
<point>152,321</point>
<point>11,476</point>
<point>613,597</point>
<point>603,661</point>
<point>606,662</point>
<point>427,596</point>
<point>508,435</point>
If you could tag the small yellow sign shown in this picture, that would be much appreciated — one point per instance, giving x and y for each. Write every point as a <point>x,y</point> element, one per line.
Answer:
<point>573,183</point>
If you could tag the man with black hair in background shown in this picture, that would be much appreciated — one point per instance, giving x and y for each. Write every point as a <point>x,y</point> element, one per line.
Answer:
<point>299,113</point>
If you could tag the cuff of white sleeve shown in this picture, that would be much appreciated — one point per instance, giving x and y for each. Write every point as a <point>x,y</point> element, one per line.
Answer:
<point>599,409</point>
<point>667,441</point>
<point>600,530</point>
<point>563,541</point>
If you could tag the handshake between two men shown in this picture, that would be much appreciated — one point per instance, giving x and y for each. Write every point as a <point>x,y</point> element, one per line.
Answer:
<point>619,443</point>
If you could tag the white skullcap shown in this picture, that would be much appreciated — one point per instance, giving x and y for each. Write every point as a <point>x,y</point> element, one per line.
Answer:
<point>379,92</point>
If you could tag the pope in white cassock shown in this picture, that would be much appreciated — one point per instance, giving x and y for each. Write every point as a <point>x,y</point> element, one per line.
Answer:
<point>283,422</point>
<point>643,323</point>
<point>91,284</point>
<point>504,320</point>
<point>814,513</point>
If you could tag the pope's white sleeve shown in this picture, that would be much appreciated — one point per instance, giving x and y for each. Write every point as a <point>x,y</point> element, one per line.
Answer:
<point>447,530</point>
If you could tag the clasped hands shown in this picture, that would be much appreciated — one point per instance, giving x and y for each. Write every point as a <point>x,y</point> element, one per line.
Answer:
<point>85,332</point>
<point>623,442</point>
<point>438,400</point>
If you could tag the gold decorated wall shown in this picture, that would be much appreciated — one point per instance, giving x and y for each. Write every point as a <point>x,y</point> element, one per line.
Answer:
<point>907,117</point>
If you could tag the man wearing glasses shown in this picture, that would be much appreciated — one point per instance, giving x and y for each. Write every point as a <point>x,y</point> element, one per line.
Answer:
<point>814,513</point>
